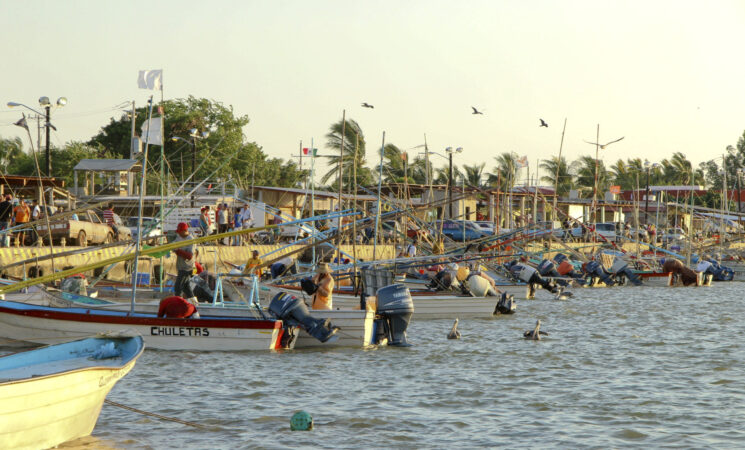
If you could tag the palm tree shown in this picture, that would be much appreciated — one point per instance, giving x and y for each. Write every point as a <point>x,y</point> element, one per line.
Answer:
<point>354,139</point>
<point>473,174</point>
<point>504,172</point>
<point>585,168</point>
<point>566,182</point>
<point>10,149</point>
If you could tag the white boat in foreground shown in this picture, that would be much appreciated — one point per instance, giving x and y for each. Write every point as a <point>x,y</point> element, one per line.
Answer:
<point>54,394</point>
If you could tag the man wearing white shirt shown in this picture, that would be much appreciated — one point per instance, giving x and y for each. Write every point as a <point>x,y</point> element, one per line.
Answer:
<point>247,220</point>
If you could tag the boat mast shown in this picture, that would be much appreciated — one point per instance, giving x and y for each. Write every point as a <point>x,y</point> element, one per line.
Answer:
<point>139,212</point>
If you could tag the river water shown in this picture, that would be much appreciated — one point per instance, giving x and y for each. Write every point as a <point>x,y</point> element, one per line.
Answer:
<point>621,367</point>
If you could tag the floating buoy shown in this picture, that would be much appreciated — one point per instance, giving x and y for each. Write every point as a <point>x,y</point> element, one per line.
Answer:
<point>301,421</point>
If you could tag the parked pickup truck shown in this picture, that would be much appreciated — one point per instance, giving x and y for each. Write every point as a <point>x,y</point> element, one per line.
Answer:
<point>89,228</point>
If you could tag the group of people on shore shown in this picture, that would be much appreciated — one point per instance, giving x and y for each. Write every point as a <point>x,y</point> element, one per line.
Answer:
<point>224,219</point>
<point>14,213</point>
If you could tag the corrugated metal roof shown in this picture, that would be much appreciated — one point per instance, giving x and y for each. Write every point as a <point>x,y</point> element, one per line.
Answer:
<point>108,165</point>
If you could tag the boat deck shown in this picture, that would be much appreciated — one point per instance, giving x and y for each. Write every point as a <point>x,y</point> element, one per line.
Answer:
<point>45,368</point>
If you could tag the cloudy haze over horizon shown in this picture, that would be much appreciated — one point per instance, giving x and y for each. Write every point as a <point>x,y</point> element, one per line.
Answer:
<point>668,76</point>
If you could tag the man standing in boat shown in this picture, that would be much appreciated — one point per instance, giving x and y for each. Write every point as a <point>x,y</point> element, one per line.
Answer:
<point>325,282</point>
<point>185,257</point>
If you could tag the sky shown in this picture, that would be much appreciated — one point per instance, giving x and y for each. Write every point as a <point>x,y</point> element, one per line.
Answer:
<point>667,76</point>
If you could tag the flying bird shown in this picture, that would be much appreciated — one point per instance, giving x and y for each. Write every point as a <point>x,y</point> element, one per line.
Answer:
<point>367,105</point>
<point>602,146</point>
<point>475,111</point>
<point>543,123</point>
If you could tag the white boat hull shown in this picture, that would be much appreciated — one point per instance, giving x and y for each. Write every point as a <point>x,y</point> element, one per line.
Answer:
<point>205,334</point>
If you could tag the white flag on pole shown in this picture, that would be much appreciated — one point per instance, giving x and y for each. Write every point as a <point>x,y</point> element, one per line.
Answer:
<point>150,79</point>
<point>154,137</point>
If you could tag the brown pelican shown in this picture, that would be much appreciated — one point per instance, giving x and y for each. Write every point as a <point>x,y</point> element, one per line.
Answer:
<point>535,334</point>
<point>454,333</point>
<point>475,111</point>
<point>543,123</point>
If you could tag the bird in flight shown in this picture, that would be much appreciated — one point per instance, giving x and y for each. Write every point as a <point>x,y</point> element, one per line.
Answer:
<point>543,123</point>
<point>367,105</point>
<point>602,146</point>
<point>475,111</point>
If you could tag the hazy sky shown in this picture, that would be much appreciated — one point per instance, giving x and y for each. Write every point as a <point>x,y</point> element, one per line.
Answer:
<point>667,75</point>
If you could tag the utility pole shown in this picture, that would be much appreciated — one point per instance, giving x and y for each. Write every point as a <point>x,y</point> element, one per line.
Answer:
<point>450,185</point>
<point>49,155</point>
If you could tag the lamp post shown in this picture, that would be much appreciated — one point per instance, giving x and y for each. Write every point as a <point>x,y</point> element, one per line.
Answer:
<point>450,152</point>
<point>47,105</point>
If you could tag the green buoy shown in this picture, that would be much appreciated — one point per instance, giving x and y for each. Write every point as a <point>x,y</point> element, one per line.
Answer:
<point>301,421</point>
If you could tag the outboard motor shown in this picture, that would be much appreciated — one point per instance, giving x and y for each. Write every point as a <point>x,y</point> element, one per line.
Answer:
<point>594,269</point>
<point>505,305</point>
<point>395,307</point>
<point>621,267</point>
<point>547,268</point>
<point>529,275</point>
<point>721,273</point>
<point>560,257</point>
<point>201,289</point>
<point>294,312</point>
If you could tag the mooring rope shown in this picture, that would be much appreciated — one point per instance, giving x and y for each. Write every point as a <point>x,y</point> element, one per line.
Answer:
<point>160,416</point>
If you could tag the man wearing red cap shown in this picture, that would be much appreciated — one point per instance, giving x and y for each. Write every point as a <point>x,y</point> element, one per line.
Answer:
<point>185,258</point>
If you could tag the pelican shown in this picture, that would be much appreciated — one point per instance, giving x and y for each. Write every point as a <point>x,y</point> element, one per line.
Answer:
<point>454,333</point>
<point>543,123</point>
<point>475,111</point>
<point>535,334</point>
<point>367,105</point>
<point>602,146</point>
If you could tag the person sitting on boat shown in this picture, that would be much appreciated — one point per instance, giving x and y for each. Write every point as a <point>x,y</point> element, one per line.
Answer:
<point>322,298</point>
<point>184,261</point>
<point>176,307</point>
<point>279,268</point>
<point>445,279</point>
<point>253,264</point>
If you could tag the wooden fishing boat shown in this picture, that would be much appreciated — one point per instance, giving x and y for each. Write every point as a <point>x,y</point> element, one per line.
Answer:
<point>656,278</point>
<point>427,305</point>
<point>54,394</point>
<point>48,325</point>
<point>356,326</point>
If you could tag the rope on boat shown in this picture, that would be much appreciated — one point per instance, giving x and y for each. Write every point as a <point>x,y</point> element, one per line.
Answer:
<point>159,416</point>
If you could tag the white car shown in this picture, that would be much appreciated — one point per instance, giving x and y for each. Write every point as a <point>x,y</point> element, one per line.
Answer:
<point>148,223</point>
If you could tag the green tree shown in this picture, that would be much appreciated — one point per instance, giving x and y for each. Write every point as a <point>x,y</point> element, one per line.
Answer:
<point>585,168</point>
<point>473,174</point>
<point>354,142</point>
<point>505,172</point>
<point>566,181</point>
<point>225,142</point>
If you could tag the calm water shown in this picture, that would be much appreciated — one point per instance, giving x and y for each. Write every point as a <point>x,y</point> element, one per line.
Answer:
<point>623,367</point>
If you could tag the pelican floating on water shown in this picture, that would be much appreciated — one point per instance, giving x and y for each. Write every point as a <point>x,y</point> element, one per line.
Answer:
<point>454,333</point>
<point>535,334</point>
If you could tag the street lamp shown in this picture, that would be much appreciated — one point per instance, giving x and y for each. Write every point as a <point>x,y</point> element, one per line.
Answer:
<point>649,167</point>
<point>47,105</point>
<point>450,151</point>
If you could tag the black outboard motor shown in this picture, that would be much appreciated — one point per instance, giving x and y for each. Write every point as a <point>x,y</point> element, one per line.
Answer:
<point>293,311</point>
<point>395,307</point>
<point>621,267</point>
<point>547,268</point>
<point>505,305</point>
<point>594,269</point>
